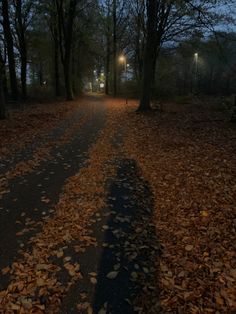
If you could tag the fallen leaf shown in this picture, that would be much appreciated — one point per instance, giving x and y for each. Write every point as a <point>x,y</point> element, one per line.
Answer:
<point>112,275</point>
<point>188,247</point>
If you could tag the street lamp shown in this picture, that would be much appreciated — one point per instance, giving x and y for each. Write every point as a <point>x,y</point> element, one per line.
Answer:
<point>196,59</point>
<point>123,60</point>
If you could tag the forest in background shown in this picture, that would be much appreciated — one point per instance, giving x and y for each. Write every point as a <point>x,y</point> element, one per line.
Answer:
<point>143,49</point>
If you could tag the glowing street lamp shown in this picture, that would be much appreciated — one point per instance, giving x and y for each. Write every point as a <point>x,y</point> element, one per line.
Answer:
<point>196,59</point>
<point>123,60</point>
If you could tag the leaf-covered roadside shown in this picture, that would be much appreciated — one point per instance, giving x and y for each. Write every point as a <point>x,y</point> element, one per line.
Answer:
<point>188,158</point>
<point>40,154</point>
<point>23,126</point>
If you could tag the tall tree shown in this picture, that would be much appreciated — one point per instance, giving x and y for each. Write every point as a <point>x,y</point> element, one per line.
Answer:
<point>3,56</point>
<point>54,30</point>
<point>108,35</point>
<point>23,16</point>
<point>114,14</point>
<point>66,12</point>
<point>2,94</point>
<point>136,36</point>
<point>10,48</point>
<point>167,21</point>
<point>150,56</point>
<point>119,15</point>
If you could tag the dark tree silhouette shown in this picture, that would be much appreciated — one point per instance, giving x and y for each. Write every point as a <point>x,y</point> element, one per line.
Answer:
<point>2,94</point>
<point>10,48</point>
<point>66,16</point>
<point>22,16</point>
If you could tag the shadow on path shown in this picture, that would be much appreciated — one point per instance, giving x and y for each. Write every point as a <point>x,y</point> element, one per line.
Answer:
<point>131,244</point>
<point>125,262</point>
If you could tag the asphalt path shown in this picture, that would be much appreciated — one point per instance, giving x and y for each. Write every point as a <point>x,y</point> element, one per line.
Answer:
<point>115,271</point>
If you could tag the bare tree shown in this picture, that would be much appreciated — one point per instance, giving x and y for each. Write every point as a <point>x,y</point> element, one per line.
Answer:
<point>166,21</point>
<point>66,13</point>
<point>23,17</point>
<point>136,29</point>
<point>10,48</point>
<point>52,22</point>
<point>114,15</point>
<point>118,12</point>
<point>107,25</point>
<point>2,93</point>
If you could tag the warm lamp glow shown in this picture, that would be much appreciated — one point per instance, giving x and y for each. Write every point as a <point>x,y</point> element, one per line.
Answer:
<point>122,59</point>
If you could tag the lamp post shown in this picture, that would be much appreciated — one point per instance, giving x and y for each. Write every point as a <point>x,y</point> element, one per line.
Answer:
<point>196,59</point>
<point>123,60</point>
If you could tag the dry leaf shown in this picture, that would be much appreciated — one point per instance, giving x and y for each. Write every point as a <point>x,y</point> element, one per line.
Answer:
<point>112,275</point>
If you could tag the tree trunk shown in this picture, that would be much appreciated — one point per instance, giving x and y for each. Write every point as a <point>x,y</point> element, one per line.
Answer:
<point>148,79</point>
<point>138,47</point>
<point>138,60</point>
<point>149,56</point>
<point>21,30</point>
<point>108,49</point>
<point>68,83</point>
<point>2,96</point>
<point>23,73</point>
<point>55,36</point>
<point>40,73</point>
<point>65,26</point>
<point>114,48</point>
<point>68,51</point>
<point>56,65</point>
<point>4,76</point>
<point>74,76</point>
<point>233,117</point>
<point>10,49</point>
<point>2,100</point>
<point>107,69</point>
<point>68,71</point>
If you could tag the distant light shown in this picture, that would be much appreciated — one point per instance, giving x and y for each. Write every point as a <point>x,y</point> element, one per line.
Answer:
<point>45,83</point>
<point>128,65</point>
<point>122,59</point>
<point>102,85</point>
<point>196,55</point>
<point>102,74</point>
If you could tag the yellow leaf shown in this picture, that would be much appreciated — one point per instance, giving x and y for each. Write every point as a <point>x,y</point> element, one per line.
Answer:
<point>204,213</point>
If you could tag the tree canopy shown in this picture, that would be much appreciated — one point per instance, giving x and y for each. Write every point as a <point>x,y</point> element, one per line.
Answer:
<point>61,45</point>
